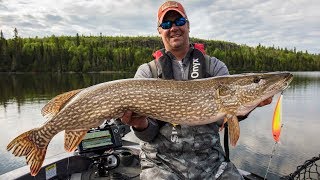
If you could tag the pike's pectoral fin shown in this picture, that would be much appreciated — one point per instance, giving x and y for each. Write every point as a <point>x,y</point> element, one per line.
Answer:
<point>24,146</point>
<point>223,123</point>
<point>57,103</point>
<point>234,128</point>
<point>73,138</point>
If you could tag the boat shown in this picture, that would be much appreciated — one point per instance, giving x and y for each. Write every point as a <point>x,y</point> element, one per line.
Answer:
<point>102,154</point>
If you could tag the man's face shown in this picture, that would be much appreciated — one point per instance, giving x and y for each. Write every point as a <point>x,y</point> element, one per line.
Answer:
<point>176,37</point>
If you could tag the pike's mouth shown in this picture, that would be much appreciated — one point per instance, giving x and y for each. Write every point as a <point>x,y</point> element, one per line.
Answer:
<point>287,81</point>
<point>281,85</point>
<point>272,90</point>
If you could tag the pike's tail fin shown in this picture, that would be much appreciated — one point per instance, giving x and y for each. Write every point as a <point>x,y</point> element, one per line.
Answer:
<point>24,145</point>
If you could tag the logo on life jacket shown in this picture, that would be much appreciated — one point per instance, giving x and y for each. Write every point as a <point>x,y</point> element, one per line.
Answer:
<point>195,68</point>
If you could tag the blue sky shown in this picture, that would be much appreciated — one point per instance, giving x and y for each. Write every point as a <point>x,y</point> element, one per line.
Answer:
<point>283,23</point>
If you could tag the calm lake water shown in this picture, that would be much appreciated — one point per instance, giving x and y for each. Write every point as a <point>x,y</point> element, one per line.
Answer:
<point>23,95</point>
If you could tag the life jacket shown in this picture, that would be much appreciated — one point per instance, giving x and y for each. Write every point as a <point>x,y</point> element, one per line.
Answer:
<point>161,66</point>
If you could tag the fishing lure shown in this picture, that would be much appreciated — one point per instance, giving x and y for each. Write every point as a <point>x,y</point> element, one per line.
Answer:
<point>276,129</point>
<point>276,122</point>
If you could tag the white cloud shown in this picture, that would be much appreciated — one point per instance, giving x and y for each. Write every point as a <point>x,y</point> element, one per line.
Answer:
<point>288,23</point>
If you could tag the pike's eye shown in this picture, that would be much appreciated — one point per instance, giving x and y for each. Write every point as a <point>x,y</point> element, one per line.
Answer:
<point>256,79</point>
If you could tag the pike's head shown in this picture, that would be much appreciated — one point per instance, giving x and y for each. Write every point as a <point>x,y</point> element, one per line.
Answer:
<point>244,92</point>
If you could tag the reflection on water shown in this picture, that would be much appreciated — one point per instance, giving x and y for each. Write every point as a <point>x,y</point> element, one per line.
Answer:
<point>33,87</point>
<point>23,95</point>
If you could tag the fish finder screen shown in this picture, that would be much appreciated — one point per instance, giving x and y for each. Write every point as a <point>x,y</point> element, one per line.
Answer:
<point>97,139</point>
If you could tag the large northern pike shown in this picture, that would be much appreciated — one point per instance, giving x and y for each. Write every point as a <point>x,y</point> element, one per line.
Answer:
<point>192,103</point>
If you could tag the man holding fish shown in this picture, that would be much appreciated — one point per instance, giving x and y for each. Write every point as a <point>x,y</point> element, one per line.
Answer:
<point>178,118</point>
<point>171,151</point>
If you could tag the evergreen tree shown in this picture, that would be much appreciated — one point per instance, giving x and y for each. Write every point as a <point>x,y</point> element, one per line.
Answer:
<point>105,53</point>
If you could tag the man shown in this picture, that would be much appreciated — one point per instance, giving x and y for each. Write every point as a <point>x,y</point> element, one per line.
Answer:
<point>171,151</point>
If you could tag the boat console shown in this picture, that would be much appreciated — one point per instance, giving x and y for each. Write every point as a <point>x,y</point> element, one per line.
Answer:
<point>98,140</point>
<point>111,157</point>
<point>102,154</point>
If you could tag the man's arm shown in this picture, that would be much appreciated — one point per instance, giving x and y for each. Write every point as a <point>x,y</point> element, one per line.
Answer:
<point>215,67</point>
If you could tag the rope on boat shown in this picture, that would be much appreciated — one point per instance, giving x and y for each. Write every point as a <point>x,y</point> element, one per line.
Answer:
<point>310,169</point>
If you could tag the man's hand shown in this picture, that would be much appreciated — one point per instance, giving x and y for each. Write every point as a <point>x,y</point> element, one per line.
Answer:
<point>265,102</point>
<point>138,122</point>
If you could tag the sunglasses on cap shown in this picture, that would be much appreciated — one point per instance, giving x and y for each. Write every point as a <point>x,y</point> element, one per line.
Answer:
<point>178,22</point>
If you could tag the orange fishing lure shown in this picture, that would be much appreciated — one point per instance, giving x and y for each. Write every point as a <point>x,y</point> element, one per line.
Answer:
<point>276,122</point>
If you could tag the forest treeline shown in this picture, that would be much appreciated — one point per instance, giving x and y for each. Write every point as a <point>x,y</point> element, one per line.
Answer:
<point>105,53</point>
